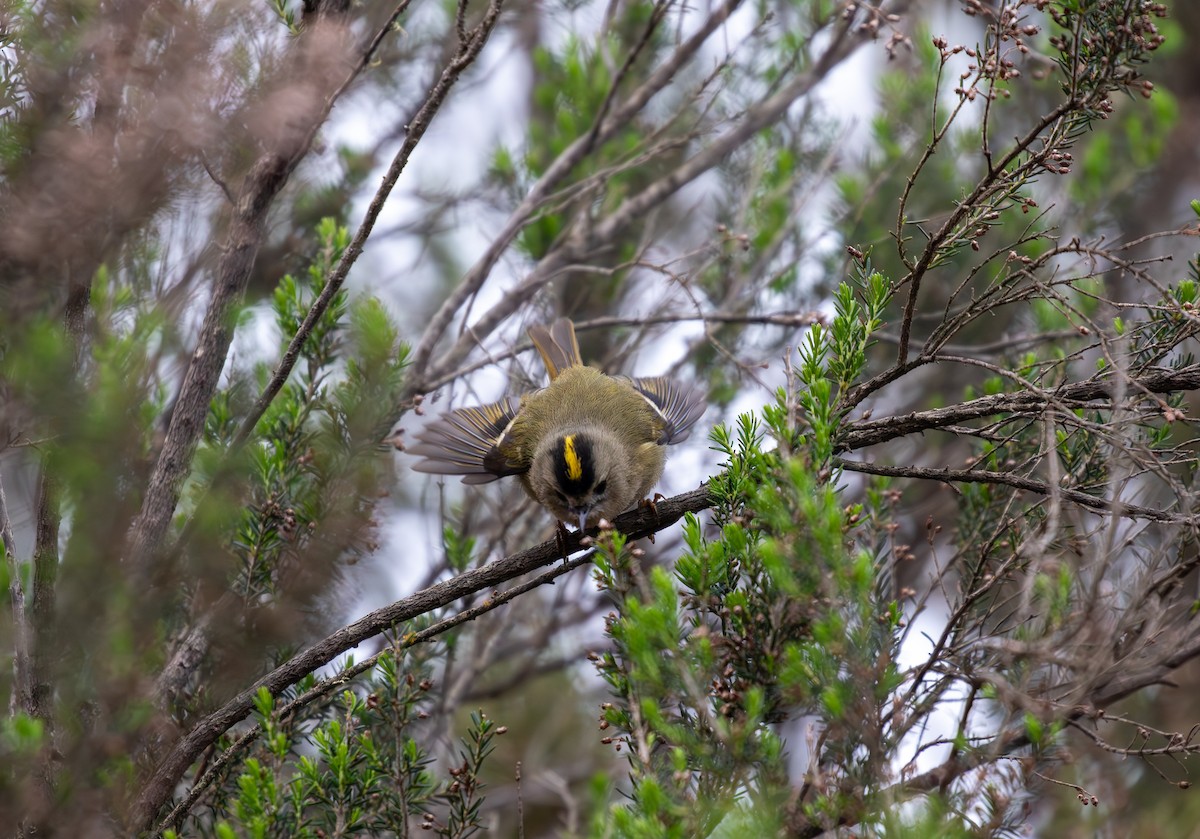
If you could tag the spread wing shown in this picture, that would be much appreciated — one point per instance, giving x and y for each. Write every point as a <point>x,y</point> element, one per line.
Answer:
<point>467,442</point>
<point>678,405</point>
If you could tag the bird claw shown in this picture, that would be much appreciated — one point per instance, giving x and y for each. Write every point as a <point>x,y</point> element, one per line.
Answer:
<point>652,504</point>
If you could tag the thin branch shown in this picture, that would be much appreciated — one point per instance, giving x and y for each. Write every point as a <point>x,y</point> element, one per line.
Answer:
<point>1008,741</point>
<point>995,179</point>
<point>973,476</point>
<point>843,42</point>
<point>841,45</point>
<point>562,166</point>
<point>189,655</point>
<point>660,11</point>
<point>860,434</point>
<point>791,320</point>
<point>417,127</point>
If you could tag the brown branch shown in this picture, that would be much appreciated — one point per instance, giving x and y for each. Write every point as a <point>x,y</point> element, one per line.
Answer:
<point>1007,741</point>
<point>993,180</point>
<point>793,320</point>
<point>417,127</point>
<point>191,652</point>
<point>323,688</point>
<point>979,476</point>
<point>159,786</point>
<point>858,435</point>
<point>246,230</point>
<point>660,11</point>
<point>1176,743</point>
<point>247,226</point>
<point>1016,342</point>
<point>843,42</point>
<point>1125,684</point>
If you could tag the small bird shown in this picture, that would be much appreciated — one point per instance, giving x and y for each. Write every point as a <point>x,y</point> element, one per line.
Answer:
<point>587,446</point>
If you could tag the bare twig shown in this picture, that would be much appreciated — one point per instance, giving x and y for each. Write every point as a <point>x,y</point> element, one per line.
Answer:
<point>422,366</point>
<point>469,50</point>
<point>860,434</point>
<point>844,40</point>
<point>1007,742</point>
<point>1117,508</point>
<point>998,178</point>
<point>791,320</point>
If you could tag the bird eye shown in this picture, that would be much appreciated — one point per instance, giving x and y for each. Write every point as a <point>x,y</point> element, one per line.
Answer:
<point>601,487</point>
<point>561,496</point>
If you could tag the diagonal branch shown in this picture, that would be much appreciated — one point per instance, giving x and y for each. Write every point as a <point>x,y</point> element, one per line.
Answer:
<point>266,178</point>
<point>799,825</point>
<point>997,179</point>
<point>417,126</point>
<point>844,40</point>
<point>980,476</point>
<point>190,652</point>
<point>344,677</point>
<point>158,788</point>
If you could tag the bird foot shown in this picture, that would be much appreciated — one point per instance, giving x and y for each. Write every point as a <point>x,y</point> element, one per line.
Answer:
<point>652,504</point>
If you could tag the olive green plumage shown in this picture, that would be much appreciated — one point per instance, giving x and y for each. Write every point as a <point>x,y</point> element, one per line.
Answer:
<point>587,446</point>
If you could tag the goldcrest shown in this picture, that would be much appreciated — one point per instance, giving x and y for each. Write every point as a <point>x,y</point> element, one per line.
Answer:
<point>587,446</point>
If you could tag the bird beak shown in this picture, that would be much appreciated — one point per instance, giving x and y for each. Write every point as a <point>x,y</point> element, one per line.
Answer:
<point>582,512</point>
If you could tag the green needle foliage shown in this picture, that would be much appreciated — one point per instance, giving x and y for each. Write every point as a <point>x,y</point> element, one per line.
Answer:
<point>775,617</point>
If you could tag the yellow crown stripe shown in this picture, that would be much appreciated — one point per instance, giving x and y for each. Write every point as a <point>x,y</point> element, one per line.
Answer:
<point>574,467</point>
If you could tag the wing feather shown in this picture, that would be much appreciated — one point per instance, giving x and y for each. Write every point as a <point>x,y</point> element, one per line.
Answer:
<point>467,442</point>
<point>678,405</point>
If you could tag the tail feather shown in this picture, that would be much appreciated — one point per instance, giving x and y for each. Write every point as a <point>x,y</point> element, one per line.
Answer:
<point>557,345</point>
